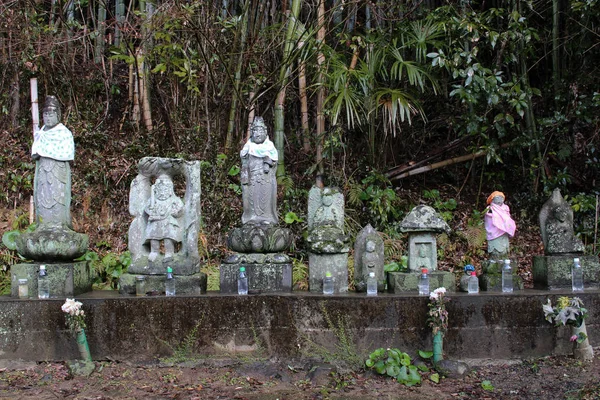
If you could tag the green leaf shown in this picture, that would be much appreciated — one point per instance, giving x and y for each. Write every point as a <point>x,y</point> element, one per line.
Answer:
<point>423,367</point>
<point>291,217</point>
<point>487,385</point>
<point>392,370</point>
<point>233,171</point>
<point>369,363</point>
<point>380,367</point>
<point>435,378</point>
<point>425,354</point>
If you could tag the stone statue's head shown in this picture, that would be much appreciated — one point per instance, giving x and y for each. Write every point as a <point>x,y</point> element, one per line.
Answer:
<point>163,188</point>
<point>496,198</point>
<point>327,197</point>
<point>422,251</point>
<point>560,213</point>
<point>370,246</point>
<point>51,112</point>
<point>258,131</point>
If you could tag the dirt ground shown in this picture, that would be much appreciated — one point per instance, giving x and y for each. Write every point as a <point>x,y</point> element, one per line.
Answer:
<point>544,378</point>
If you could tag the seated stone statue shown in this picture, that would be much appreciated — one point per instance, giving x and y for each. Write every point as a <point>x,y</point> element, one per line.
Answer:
<point>423,259</point>
<point>556,227</point>
<point>163,209</point>
<point>326,223</point>
<point>53,148</point>
<point>499,225</point>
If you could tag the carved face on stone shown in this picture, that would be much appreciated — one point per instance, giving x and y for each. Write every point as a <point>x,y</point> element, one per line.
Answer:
<point>163,189</point>
<point>560,213</point>
<point>370,246</point>
<point>50,117</point>
<point>422,251</point>
<point>259,134</point>
<point>498,200</point>
<point>327,200</point>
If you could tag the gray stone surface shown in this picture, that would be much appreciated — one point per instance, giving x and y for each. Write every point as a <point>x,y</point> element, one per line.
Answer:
<point>422,251</point>
<point>65,279</point>
<point>556,227</point>
<point>368,257</point>
<point>452,369</point>
<point>155,284</point>
<point>81,368</point>
<point>326,222</point>
<point>282,325</point>
<point>406,282</point>
<point>319,264</point>
<point>262,278</point>
<point>423,218</point>
<point>181,224</point>
<point>554,272</point>
<point>252,238</point>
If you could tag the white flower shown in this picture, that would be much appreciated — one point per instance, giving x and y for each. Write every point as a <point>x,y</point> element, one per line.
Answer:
<point>440,290</point>
<point>72,307</point>
<point>433,295</point>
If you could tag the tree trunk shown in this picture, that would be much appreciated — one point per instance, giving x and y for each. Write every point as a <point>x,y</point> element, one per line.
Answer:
<point>100,31</point>
<point>556,46</point>
<point>320,94</point>
<point>120,19</point>
<point>238,77</point>
<point>15,88</point>
<point>283,79</point>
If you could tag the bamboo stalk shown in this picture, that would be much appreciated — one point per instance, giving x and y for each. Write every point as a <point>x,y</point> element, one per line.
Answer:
<point>320,94</point>
<point>100,32</point>
<point>596,228</point>
<point>35,113</point>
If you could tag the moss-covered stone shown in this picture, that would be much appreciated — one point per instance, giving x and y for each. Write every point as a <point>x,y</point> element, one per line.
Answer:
<point>554,272</point>
<point>66,279</point>
<point>262,278</point>
<point>155,284</point>
<point>407,282</point>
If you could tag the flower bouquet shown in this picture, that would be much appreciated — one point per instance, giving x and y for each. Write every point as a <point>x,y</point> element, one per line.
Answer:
<point>570,311</point>
<point>438,320</point>
<point>75,320</point>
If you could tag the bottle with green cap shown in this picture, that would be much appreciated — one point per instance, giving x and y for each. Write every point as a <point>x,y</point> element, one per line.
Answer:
<point>328,283</point>
<point>242,282</point>
<point>170,283</point>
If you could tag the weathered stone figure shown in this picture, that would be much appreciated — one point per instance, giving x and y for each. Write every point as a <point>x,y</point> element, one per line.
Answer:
<point>368,257</point>
<point>53,148</point>
<point>163,209</point>
<point>259,183</point>
<point>499,225</point>
<point>556,227</point>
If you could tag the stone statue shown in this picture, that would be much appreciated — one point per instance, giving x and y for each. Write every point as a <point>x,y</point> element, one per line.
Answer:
<point>53,148</point>
<point>423,258</point>
<point>556,227</point>
<point>499,225</point>
<point>259,183</point>
<point>163,209</point>
<point>368,257</point>
<point>326,222</point>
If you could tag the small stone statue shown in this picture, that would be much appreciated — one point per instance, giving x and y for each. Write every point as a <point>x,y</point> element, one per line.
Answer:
<point>499,225</point>
<point>53,148</point>
<point>368,257</point>
<point>423,259</point>
<point>259,183</point>
<point>556,227</point>
<point>163,209</point>
<point>464,279</point>
<point>326,222</point>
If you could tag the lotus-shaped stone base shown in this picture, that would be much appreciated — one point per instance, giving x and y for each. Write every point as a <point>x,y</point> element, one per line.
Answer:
<point>52,243</point>
<point>259,238</point>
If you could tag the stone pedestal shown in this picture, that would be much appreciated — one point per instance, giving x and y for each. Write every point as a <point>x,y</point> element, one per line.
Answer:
<point>554,272</point>
<point>155,284</point>
<point>491,278</point>
<point>262,277</point>
<point>66,279</point>
<point>407,282</point>
<point>320,264</point>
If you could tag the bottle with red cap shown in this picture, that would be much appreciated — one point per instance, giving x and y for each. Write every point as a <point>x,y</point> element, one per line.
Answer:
<point>424,283</point>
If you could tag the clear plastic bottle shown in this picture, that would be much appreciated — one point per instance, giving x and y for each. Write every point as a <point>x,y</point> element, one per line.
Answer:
<point>43,283</point>
<point>371,284</point>
<point>23,289</point>
<point>577,276</point>
<point>328,283</point>
<point>140,285</point>
<point>170,283</point>
<point>242,282</point>
<point>473,287</point>
<point>507,278</point>
<point>424,283</point>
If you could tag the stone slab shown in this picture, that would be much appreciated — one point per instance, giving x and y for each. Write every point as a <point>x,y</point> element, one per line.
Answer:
<point>407,282</point>
<point>66,279</point>
<point>554,272</point>
<point>484,326</point>
<point>180,264</point>
<point>320,264</point>
<point>155,284</point>
<point>493,282</point>
<point>262,278</point>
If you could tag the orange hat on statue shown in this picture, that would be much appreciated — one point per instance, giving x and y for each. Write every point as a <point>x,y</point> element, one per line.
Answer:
<point>494,194</point>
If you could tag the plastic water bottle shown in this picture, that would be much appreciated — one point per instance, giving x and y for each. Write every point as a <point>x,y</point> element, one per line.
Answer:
<point>507,279</point>
<point>473,287</point>
<point>170,283</point>
<point>371,284</point>
<point>43,284</point>
<point>577,276</point>
<point>328,284</point>
<point>424,283</point>
<point>242,281</point>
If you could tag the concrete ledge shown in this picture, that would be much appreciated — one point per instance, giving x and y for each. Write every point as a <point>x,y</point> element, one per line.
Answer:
<point>287,325</point>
